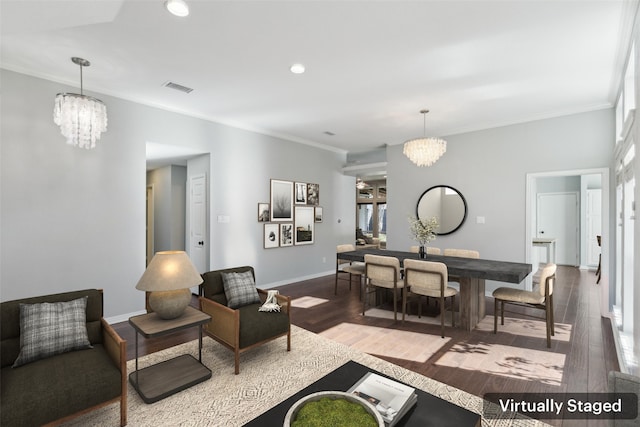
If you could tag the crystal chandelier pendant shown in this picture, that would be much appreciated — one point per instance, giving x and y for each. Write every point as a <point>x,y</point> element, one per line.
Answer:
<point>424,151</point>
<point>81,118</point>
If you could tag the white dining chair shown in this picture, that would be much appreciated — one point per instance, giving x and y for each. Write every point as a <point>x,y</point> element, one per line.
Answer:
<point>427,278</point>
<point>430,250</point>
<point>462,253</point>
<point>543,299</point>
<point>384,272</point>
<point>345,266</point>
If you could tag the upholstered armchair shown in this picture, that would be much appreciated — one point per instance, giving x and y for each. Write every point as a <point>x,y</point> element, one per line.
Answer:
<point>236,322</point>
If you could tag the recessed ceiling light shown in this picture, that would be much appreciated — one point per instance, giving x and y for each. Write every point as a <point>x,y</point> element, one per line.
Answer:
<point>297,68</point>
<point>177,7</point>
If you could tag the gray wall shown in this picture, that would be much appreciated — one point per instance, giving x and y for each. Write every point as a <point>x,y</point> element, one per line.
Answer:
<point>489,168</point>
<point>75,218</point>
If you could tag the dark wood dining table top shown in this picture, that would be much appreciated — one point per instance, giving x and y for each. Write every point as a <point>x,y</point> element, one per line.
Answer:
<point>501,271</point>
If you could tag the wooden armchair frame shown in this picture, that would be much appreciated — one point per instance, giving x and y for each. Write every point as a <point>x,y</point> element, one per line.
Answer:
<point>224,326</point>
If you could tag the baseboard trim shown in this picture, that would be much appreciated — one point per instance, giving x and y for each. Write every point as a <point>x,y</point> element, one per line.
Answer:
<point>125,317</point>
<point>616,340</point>
<point>296,279</point>
<point>626,366</point>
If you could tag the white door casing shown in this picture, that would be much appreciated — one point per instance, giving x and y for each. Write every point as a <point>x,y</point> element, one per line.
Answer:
<point>594,225</point>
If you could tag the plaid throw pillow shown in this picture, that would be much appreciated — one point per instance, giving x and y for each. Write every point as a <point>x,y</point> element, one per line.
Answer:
<point>240,289</point>
<point>48,329</point>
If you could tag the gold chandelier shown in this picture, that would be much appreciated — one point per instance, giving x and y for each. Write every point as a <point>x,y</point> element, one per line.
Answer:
<point>424,151</point>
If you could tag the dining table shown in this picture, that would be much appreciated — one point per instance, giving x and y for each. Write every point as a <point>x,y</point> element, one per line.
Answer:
<point>471,273</point>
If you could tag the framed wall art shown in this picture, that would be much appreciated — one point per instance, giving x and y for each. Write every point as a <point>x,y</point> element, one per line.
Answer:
<point>271,236</point>
<point>281,200</point>
<point>313,194</point>
<point>301,193</point>
<point>304,225</point>
<point>286,234</point>
<point>318,217</point>
<point>263,212</point>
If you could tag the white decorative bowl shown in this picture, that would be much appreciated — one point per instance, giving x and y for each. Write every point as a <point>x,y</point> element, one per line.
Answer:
<point>293,411</point>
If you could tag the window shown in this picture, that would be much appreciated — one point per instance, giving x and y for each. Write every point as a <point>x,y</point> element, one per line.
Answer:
<point>626,102</point>
<point>624,307</point>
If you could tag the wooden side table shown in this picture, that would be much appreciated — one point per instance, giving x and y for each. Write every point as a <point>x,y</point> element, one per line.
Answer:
<point>163,379</point>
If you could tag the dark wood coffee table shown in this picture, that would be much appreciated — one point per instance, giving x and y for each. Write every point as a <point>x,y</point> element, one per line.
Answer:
<point>429,411</point>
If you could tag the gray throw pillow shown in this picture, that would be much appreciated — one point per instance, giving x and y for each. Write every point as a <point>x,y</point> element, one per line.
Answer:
<point>47,329</point>
<point>240,289</point>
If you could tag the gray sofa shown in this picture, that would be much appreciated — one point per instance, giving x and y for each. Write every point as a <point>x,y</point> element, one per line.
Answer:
<point>243,328</point>
<point>60,387</point>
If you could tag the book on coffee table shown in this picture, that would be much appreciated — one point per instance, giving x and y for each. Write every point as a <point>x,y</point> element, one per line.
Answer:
<point>391,398</point>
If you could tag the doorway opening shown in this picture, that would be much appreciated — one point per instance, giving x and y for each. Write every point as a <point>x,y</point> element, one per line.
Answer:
<point>591,187</point>
<point>170,202</point>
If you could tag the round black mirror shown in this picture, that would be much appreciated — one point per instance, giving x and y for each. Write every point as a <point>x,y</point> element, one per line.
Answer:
<point>445,203</point>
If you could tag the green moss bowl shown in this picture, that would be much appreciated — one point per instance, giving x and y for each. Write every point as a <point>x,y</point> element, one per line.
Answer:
<point>293,411</point>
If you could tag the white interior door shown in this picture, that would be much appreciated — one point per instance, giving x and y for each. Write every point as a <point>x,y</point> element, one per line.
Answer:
<point>198,222</point>
<point>594,225</point>
<point>557,217</point>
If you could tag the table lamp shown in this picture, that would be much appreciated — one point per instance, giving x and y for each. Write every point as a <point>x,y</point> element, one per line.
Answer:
<point>168,277</point>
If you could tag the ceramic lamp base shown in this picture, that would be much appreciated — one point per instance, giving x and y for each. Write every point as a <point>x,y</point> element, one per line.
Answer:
<point>170,304</point>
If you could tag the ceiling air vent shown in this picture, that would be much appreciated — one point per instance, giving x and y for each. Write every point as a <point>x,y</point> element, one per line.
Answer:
<point>176,86</point>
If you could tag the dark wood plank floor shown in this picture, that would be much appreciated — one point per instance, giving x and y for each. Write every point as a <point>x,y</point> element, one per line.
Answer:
<point>590,354</point>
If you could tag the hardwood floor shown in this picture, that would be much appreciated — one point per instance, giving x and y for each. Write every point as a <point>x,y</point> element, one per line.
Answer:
<point>588,355</point>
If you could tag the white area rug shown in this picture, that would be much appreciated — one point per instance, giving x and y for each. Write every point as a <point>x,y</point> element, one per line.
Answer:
<point>268,375</point>
<point>307,302</point>
<point>386,341</point>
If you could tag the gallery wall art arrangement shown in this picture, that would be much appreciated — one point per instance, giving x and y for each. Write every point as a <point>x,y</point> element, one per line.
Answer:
<point>291,214</point>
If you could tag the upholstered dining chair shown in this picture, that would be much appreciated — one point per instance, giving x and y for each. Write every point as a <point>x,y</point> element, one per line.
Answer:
<point>352,268</point>
<point>384,272</point>
<point>543,299</point>
<point>462,253</point>
<point>430,279</point>
<point>430,250</point>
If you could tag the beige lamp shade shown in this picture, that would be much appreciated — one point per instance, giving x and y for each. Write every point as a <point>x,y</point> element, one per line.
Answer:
<point>168,271</point>
<point>168,277</point>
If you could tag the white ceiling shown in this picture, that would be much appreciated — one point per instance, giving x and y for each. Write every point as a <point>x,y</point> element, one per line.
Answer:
<point>371,65</point>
